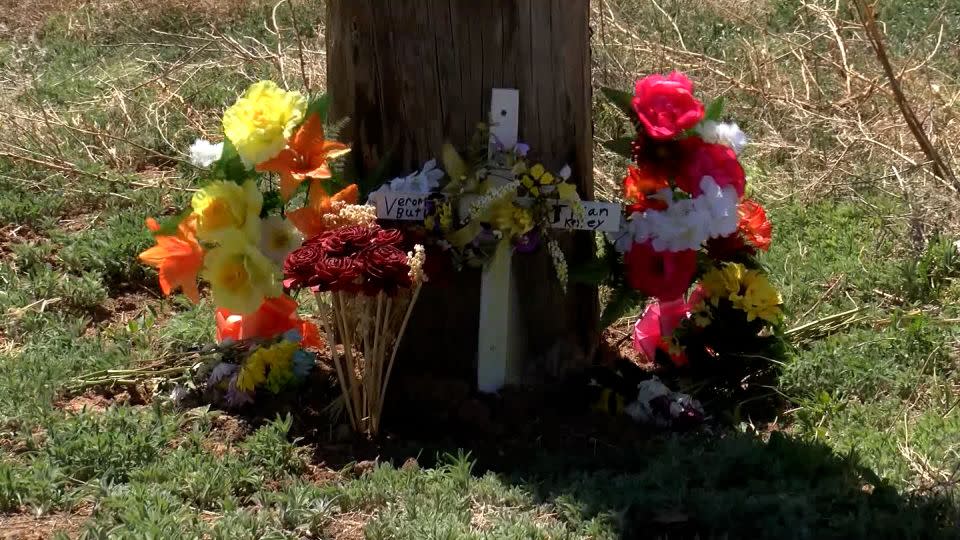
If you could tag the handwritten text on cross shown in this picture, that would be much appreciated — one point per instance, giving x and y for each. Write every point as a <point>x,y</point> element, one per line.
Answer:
<point>597,216</point>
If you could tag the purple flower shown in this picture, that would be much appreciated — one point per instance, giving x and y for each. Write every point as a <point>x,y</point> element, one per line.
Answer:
<point>220,372</point>
<point>236,398</point>
<point>521,149</point>
<point>528,242</point>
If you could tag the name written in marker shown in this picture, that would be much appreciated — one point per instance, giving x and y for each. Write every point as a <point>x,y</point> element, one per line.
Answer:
<point>597,216</point>
<point>400,206</point>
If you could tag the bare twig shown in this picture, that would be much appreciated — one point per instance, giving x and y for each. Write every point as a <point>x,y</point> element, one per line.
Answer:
<point>940,167</point>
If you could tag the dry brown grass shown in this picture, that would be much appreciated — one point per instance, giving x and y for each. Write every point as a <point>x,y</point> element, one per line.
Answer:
<point>814,99</point>
<point>141,112</point>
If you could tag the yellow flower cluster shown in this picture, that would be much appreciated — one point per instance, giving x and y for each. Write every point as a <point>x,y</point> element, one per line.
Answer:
<point>240,275</point>
<point>749,290</point>
<point>760,299</point>
<point>261,120</point>
<point>535,178</point>
<point>272,365</point>
<point>222,207</point>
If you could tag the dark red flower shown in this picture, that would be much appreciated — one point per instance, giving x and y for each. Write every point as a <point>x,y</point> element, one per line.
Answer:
<point>714,160</point>
<point>665,105</point>
<point>389,236</point>
<point>298,266</point>
<point>665,275</point>
<point>336,274</point>
<point>726,248</point>
<point>385,268</point>
<point>357,237</point>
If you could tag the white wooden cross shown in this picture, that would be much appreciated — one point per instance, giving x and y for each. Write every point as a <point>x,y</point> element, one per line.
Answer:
<point>501,340</point>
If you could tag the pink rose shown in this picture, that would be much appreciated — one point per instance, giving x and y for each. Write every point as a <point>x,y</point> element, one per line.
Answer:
<point>665,105</point>
<point>714,160</point>
<point>665,275</point>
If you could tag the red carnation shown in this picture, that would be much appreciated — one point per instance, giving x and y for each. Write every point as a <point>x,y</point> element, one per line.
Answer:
<point>754,225</point>
<point>714,160</point>
<point>665,275</point>
<point>665,105</point>
<point>298,266</point>
<point>386,268</point>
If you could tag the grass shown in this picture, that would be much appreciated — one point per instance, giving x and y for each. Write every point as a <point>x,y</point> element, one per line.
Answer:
<point>97,107</point>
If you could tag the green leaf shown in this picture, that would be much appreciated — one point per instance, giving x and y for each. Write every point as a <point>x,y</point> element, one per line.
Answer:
<point>620,146</point>
<point>169,224</point>
<point>622,301</point>
<point>271,202</point>
<point>623,100</point>
<point>714,110</point>
<point>319,105</point>
<point>230,166</point>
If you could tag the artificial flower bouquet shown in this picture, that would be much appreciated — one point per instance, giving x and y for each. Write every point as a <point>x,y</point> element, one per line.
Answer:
<point>240,370</point>
<point>690,236</point>
<point>239,228</point>
<point>489,197</point>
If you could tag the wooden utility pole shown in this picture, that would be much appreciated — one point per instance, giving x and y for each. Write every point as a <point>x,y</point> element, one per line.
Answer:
<point>412,74</point>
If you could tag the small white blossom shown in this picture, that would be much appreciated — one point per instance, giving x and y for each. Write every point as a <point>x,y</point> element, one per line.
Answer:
<point>721,205</point>
<point>203,152</point>
<point>721,133</point>
<point>425,180</point>
<point>565,172</point>
<point>278,238</point>
<point>684,224</point>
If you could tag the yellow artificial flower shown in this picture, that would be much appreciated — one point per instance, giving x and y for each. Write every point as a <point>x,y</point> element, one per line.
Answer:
<point>225,206</point>
<point>760,298</point>
<point>277,359</point>
<point>542,176</point>
<point>523,220</point>
<point>261,120</point>
<point>278,238</point>
<point>252,372</point>
<point>723,281</point>
<point>535,178</point>
<point>240,275</point>
<point>445,213</point>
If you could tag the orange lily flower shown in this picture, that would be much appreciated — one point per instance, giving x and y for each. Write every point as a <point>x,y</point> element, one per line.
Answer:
<point>304,157</point>
<point>274,317</point>
<point>309,219</point>
<point>178,257</point>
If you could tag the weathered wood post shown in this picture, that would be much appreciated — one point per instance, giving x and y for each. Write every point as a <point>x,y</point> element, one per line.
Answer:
<point>412,74</point>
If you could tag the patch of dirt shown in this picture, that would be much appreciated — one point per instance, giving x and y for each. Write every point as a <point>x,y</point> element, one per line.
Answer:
<point>226,433</point>
<point>29,527</point>
<point>99,399</point>
<point>347,526</point>
<point>90,402</point>
<point>125,305</point>
<point>16,234</point>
